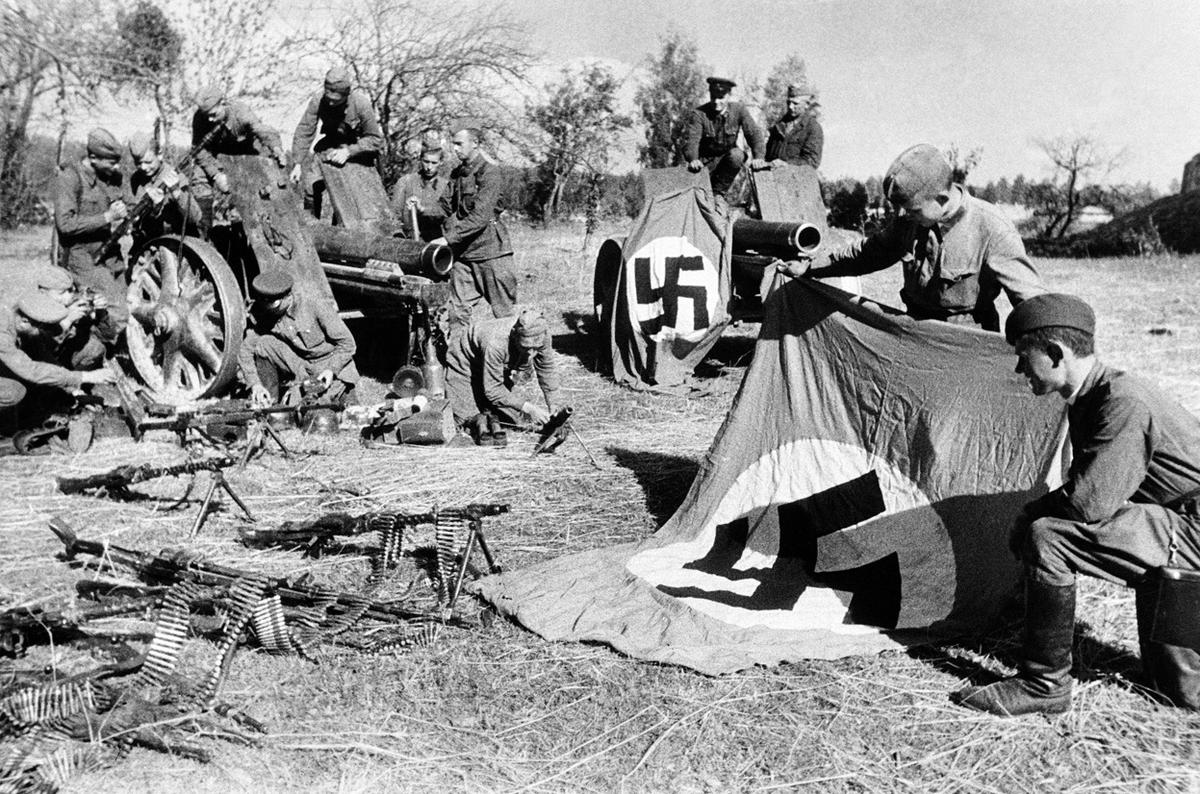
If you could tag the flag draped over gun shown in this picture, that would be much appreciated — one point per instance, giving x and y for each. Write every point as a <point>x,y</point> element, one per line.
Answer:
<point>857,497</point>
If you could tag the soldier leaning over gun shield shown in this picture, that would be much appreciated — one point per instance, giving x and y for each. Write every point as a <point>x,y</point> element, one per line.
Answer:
<point>797,137</point>
<point>229,126</point>
<point>492,357</point>
<point>31,389</point>
<point>294,339</point>
<point>345,128</point>
<point>91,200</point>
<point>164,205</point>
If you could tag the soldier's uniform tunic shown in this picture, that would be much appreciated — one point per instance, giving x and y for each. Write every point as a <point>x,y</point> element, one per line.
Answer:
<point>172,216</point>
<point>953,271</point>
<point>352,125</point>
<point>241,132</point>
<point>483,267</point>
<point>712,138</point>
<point>479,378</point>
<point>428,193</point>
<point>80,201</point>
<point>18,369</point>
<point>303,342</point>
<point>1133,486</point>
<point>798,141</point>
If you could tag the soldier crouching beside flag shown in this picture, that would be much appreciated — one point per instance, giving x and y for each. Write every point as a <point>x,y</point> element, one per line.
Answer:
<point>1130,505</point>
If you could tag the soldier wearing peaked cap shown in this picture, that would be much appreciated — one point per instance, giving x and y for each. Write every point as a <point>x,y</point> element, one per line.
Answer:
<point>91,199</point>
<point>712,137</point>
<point>229,126</point>
<point>797,137</point>
<point>27,322</point>
<point>293,339</point>
<point>344,126</point>
<point>958,252</point>
<point>1130,503</point>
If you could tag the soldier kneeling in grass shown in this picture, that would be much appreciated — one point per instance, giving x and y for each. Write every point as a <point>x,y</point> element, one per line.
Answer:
<point>1130,506</point>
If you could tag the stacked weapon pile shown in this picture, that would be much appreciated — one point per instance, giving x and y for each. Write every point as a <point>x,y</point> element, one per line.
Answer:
<point>54,726</point>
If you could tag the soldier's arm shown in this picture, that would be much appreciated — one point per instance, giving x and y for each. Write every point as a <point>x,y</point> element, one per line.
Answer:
<point>370,134</point>
<point>29,370</point>
<point>691,141</point>
<point>246,359</point>
<point>337,333</point>
<point>306,130</point>
<point>267,136</point>
<point>814,145</point>
<point>495,364</point>
<point>1007,262</point>
<point>204,158</point>
<point>754,135</point>
<point>487,197</point>
<point>545,364</point>
<point>877,252</point>
<point>67,218</point>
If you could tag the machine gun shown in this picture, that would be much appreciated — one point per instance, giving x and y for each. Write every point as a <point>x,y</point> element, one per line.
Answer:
<point>118,480</point>
<point>19,626</point>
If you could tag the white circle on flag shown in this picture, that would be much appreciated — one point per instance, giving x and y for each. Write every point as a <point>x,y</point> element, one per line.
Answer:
<point>673,289</point>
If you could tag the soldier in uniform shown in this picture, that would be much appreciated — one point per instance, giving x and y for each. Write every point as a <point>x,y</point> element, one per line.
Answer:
<point>345,128</point>
<point>90,202</point>
<point>491,357</point>
<point>1130,502</point>
<point>483,267</point>
<point>958,252</point>
<point>797,137</point>
<point>291,340</point>
<point>27,322</point>
<point>229,126</point>
<point>165,205</point>
<point>421,191</point>
<point>77,344</point>
<point>712,137</point>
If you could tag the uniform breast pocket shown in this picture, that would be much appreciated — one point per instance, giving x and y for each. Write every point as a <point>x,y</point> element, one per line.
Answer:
<point>466,199</point>
<point>958,285</point>
<point>310,337</point>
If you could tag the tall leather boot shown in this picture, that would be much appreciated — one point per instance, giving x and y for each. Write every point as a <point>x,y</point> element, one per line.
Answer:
<point>1171,670</point>
<point>1044,683</point>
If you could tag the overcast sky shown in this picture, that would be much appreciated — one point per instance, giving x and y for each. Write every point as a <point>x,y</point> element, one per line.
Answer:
<point>891,73</point>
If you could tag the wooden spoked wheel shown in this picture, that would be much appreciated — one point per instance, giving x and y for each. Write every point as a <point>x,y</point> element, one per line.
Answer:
<point>186,319</point>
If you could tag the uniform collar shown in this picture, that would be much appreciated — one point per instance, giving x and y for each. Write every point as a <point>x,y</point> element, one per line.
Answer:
<point>946,224</point>
<point>1088,383</point>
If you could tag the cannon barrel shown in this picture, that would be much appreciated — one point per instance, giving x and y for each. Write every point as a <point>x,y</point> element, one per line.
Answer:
<point>375,282</point>
<point>775,237</point>
<point>356,247</point>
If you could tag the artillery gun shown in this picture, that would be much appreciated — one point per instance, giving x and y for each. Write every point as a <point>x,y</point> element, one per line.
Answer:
<point>187,294</point>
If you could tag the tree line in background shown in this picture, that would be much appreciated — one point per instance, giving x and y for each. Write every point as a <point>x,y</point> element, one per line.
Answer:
<point>423,65</point>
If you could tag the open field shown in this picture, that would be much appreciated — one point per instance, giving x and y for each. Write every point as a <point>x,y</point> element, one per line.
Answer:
<point>498,709</point>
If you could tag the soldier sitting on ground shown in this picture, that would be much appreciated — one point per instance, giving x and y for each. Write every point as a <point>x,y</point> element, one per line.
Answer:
<point>32,389</point>
<point>294,339</point>
<point>491,357</point>
<point>229,126</point>
<point>712,137</point>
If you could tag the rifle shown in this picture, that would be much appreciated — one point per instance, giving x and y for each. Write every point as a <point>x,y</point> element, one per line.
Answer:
<point>145,204</point>
<point>167,568</point>
<point>119,479</point>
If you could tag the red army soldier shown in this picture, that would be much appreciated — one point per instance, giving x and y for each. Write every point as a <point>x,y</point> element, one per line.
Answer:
<point>165,205</point>
<point>420,193</point>
<point>712,137</point>
<point>90,202</point>
<point>229,126</point>
<point>797,137</point>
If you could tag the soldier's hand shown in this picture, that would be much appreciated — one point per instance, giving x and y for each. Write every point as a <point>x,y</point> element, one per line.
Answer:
<point>535,412</point>
<point>260,396</point>
<point>116,212</point>
<point>694,165</point>
<point>412,202</point>
<point>326,377</point>
<point>759,165</point>
<point>439,241</point>
<point>295,175</point>
<point>155,194</point>
<point>97,376</point>
<point>221,182</point>
<point>76,312</point>
<point>338,156</point>
<point>794,267</point>
<point>99,301</point>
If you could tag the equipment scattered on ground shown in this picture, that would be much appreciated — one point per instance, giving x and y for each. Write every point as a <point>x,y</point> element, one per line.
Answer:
<point>76,427</point>
<point>486,430</point>
<point>21,626</point>
<point>456,533</point>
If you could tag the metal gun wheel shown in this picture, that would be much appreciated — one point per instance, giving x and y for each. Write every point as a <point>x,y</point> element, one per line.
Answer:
<point>186,319</point>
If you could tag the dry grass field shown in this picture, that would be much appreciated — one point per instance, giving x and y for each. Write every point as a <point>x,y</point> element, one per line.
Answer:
<point>498,709</point>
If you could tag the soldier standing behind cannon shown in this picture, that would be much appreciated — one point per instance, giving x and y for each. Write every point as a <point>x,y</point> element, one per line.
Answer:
<point>91,199</point>
<point>421,193</point>
<point>483,267</point>
<point>229,126</point>
<point>164,204</point>
<point>348,128</point>
<point>712,137</point>
<point>797,137</point>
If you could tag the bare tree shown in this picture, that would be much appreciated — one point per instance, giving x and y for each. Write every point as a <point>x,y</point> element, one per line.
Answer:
<point>423,66</point>
<point>666,100</point>
<point>791,69</point>
<point>1079,161</point>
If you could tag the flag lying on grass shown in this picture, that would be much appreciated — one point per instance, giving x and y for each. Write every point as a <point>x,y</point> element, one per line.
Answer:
<point>857,497</point>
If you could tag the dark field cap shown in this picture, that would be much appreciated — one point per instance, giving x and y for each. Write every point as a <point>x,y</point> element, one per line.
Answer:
<point>41,308</point>
<point>102,143</point>
<point>272,285</point>
<point>720,85</point>
<point>921,170</point>
<point>1052,310</point>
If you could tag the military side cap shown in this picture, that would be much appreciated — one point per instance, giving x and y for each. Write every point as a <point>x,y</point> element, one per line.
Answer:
<point>209,97</point>
<point>272,285</point>
<point>475,125</point>
<point>338,79</point>
<point>41,308</point>
<point>51,277</point>
<point>141,144</point>
<point>102,143</point>
<point>799,88</point>
<point>531,327</point>
<point>921,170</point>
<point>1052,310</point>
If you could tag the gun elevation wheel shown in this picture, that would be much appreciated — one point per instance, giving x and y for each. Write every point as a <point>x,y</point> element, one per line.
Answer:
<point>186,319</point>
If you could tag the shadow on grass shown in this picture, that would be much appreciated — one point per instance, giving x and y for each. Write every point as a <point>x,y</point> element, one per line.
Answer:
<point>730,352</point>
<point>665,479</point>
